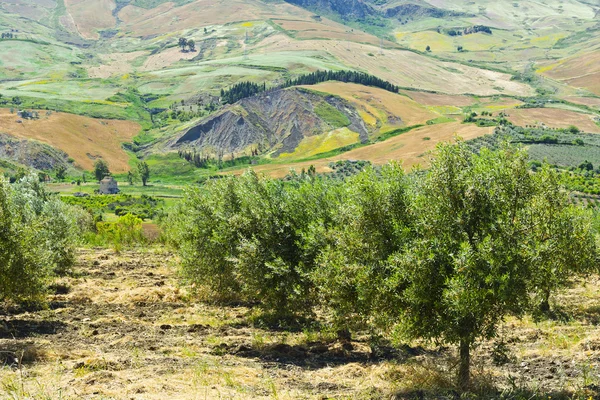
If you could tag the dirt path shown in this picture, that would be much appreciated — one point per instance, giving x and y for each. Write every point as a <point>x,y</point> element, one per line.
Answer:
<point>122,328</point>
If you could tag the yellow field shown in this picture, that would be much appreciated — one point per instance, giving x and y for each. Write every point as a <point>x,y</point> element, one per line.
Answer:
<point>82,138</point>
<point>379,104</point>
<point>312,145</point>
<point>420,40</point>
<point>411,148</point>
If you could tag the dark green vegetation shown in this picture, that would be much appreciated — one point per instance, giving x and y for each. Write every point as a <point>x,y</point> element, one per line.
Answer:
<point>243,90</point>
<point>444,255</point>
<point>143,207</point>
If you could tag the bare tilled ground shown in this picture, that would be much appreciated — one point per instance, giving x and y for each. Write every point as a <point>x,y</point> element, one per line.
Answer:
<point>122,328</point>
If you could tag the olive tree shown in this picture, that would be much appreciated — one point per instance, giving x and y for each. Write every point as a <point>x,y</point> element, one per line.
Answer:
<point>485,227</point>
<point>250,237</point>
<point>448,253</point>
<point>373,222</point>
<point>24,261</point>
<point>38,237</point>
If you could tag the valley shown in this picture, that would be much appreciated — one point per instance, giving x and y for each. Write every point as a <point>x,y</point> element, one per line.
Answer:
<point>121,60</point>
<point>300,199</point>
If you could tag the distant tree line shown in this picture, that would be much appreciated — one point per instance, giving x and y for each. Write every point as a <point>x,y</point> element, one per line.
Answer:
<point>469,30</point>
<point>342,76</point>
<point>8,35</point>
<point>202,160</point>
<point>240,91</point>
<point>247,89</point>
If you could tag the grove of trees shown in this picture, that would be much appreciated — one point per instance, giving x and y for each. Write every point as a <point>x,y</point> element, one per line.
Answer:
<point>444,254</point>
<point>245,89</point>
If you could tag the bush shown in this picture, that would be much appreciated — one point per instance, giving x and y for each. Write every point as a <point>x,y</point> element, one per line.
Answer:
<point>251,238</point>
<point>38,236</point>
<point>126,231</point>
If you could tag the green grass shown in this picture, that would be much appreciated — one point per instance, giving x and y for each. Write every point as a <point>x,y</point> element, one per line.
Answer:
<point>332,115</point>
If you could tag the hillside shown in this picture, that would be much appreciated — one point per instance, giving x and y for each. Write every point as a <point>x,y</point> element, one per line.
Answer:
<point>122,60</point>
<point>276,121</point>
<point>82,138</point>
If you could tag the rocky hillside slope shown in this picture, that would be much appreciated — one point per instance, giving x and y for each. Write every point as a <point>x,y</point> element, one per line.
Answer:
<point>275,121</point>
<point>30,153</point>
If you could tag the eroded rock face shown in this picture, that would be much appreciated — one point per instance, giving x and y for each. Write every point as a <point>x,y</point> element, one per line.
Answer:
<point>277,120</point>
<point>345,8</point>
<point>30,153</point>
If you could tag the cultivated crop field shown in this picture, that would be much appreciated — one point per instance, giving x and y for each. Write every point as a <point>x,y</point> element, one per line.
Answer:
<point>380,105</point>
<point>553,118</point>
<point>411,149</point>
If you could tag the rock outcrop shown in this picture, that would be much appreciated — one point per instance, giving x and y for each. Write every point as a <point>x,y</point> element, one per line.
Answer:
<point>272,121</point>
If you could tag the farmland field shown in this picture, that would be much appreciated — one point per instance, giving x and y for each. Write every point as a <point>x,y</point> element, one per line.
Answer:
<point>554,118</point>
<point>82,138</point>
<point>411,149</point>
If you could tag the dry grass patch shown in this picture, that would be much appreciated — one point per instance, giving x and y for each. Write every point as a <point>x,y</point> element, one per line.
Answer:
<point>114,64</point>
<point>399,67</point>
<point>124,344</point>
<point>435,99</point>
<point>389,108</point>
<point>553,118</point>
<point>580,71</point>
<point>166,18</point>
<point>89,17</point>
<point>84,139</point>
<point>166,58</point>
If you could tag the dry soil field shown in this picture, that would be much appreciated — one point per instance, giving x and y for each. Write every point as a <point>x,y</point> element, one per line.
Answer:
<point>409,148</point>
<point>122,328</point>
<point>392,109</point>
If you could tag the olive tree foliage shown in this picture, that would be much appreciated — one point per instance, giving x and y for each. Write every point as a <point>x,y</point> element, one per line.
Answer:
<point>38,236</point>
<point>250,238</point>
<point>484,230</point>
<point>373,222</point>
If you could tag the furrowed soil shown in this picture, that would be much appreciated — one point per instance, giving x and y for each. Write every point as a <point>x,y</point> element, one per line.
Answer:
<point>122,328</point>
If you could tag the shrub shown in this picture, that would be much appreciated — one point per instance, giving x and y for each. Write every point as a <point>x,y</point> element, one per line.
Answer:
<point>251,238</point>
<point>38,235</point>
<point>126,231</point>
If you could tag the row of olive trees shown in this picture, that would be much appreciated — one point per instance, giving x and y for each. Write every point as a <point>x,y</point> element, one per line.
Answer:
<point>38,237</point>
<point>443,254</point>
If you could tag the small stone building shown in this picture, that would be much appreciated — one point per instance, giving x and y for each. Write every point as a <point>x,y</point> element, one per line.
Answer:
<point>108,185</point>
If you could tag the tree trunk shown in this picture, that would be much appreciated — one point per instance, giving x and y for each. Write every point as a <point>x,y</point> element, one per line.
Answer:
<point>464,372</point>
<point>545,304</point>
